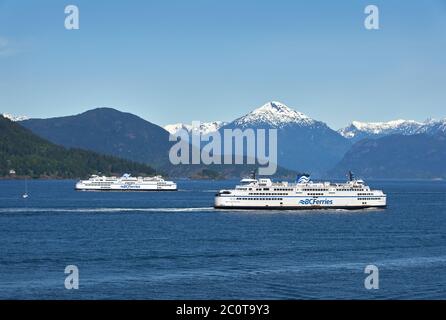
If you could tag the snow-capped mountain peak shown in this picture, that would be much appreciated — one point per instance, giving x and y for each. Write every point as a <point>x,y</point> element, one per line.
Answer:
<point>275,114</point>
<point>205,127</point>
<point>174,128</point>
<point>358,130</point>
<point>433,126</point>
<point>14,118</point>
<point>380,127</point>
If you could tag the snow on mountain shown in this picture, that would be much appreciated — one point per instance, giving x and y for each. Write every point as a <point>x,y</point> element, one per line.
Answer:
<point>433,127</point>
<point>274,114</point>
<point>303,144</point>
<point>208,127</point>
<point>174,128</point>
<point>359,130</point>
<point>205,127</point>
<point>14,118</point>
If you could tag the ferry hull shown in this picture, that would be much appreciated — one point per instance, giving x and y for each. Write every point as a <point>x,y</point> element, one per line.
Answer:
<point>125,190</point>
<point>282,208</point>
<point>81,187</point>
<point>125,183</point>
<point>264,194</point>
<point>227,203</point>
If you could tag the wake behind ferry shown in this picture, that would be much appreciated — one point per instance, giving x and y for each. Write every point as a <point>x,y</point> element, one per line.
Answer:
<point>264,194</point>
<point>125,183</point>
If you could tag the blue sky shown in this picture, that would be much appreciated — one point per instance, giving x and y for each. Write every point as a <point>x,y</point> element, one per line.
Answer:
<point>177,61</point>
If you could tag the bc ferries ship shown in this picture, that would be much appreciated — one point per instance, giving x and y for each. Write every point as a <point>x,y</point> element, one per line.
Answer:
<point>126,183</point>
<point>304,194</point>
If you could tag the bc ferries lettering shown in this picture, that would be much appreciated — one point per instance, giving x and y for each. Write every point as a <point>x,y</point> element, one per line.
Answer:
<point>129,186</point>
<point>316,202</point>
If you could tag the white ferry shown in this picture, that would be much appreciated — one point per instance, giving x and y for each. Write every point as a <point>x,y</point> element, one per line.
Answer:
<point>125,183</point>
<point>263,194</point>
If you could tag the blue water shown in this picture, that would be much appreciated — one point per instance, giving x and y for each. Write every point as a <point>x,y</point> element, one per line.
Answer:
<point>175,246</point>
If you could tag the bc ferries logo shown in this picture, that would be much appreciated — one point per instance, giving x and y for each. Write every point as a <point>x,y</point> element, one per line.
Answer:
<point>303,179</point>
<point>316,202</point>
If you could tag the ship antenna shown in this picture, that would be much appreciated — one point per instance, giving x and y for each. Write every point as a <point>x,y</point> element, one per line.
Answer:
<point>351,176</point>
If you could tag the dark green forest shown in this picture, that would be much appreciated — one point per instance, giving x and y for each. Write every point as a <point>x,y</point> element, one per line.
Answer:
<point>31,156</point>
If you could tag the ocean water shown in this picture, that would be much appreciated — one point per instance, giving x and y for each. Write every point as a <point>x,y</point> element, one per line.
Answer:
<point>176,246</point>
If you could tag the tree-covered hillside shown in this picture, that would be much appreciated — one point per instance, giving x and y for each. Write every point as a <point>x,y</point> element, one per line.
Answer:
<point>30,155</point>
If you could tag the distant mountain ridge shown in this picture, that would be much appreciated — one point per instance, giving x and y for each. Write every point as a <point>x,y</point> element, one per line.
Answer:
<point>361,130</point>
<point>112,132</point>
<point>107,131</point>
<point>418,156</point>
<point>204,129</point>
<point>304,144</point>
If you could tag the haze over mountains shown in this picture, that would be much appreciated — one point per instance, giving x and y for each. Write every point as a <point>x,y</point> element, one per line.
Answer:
<point>304,144</point>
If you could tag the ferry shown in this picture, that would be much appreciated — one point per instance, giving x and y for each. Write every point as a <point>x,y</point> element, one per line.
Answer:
<point>304,194</point>
<point>125,183</point>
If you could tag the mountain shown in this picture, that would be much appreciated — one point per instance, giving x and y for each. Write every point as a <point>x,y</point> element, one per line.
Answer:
<point>420,156</point>
<point>434,127</point>
<point>112,132</point>
<point>304,144</point>
<point>107,131</point>
<point>273,115</point>
<point>205,127</point>
<point>13,118</point>
<point>361,130</point>
<point>29,155</point>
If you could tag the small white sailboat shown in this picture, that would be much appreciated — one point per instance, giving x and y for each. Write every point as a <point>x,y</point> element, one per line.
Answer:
<point>25,195</point>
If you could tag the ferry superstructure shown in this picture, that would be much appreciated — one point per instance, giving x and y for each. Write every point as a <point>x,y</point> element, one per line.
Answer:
<point>264,194</point>
<point>125,183</point>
